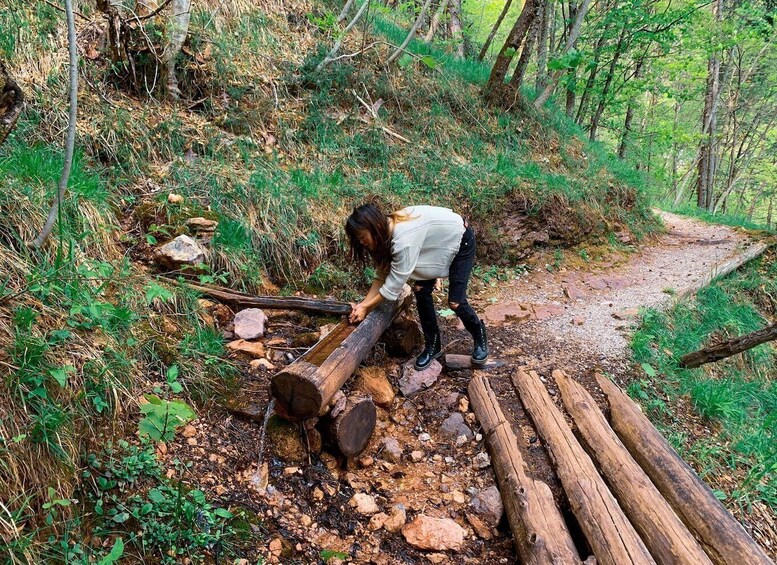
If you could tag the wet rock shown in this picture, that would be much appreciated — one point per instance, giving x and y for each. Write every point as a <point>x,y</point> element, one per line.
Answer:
<point>413,381</point>
<point>391,450</point>
<point>396,519</point>
<point>181,251</point>
<point>374,381</point>
<point>453,426</point>
<point>437,534</point>
<point>250,323</point>
<point>488,505</point>
<point>481,461</point>
<point>363,504</point>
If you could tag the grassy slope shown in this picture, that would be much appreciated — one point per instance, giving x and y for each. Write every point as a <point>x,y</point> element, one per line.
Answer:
<point>277,154</point>
<point>729,430</point>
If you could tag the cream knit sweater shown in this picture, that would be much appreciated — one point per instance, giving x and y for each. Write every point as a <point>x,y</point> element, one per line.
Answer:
<point>422,247</point>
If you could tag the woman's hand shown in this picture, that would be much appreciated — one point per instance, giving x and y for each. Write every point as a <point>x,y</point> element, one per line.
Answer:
<point>358,313</point>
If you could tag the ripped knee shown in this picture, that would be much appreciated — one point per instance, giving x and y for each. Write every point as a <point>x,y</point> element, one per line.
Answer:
<point>454,305</point>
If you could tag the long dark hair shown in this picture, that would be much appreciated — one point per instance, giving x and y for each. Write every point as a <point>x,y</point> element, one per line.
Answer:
<point>369,218</point>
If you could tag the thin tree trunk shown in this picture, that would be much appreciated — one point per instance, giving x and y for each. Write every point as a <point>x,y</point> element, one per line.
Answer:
<point>526,51</point>
<point>54,212</point>
<point>675,147</point>
<point>457,34</point>
<point>435,23</point>
<point>344,12</point>
<point>728,348</point>
<point>179,30</point>
<point>495,85</point>
<point>542,46</point>
<point>629,114</point>
<point>411,34</point>
<point>570,44</point>
<point>707,165</point>
<point>769,212</point>
<point>589,85</point>
<point>494,29</point>
<point>336,48</point>
<point>607,83</point>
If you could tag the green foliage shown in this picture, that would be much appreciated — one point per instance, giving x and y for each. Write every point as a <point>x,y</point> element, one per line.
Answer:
<point>162,417</point>
<point>735,396</point>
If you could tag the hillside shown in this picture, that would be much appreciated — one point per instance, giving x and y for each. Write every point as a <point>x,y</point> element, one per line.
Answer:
<point>116,440</point>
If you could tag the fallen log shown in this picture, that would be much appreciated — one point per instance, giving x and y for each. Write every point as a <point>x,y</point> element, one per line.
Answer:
<point>349,427</point>
<point>665,536</point>
<point>612,538</point>
<point>457,362</point>
<point>721,535</point>
<point>540,533</point>
<point>728,348</point>
<point>244,300</point>
<point>723,269</point>
<point>304,388</point>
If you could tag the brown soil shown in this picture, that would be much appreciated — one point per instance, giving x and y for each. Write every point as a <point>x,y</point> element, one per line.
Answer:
<point>305,510</point>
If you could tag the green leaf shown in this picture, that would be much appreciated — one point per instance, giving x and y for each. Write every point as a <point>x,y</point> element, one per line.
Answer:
<point>651,372</point>
<point>447,313</point>
<point>223,513</point>
<point>405,61</point>
<point>429,61</point>
<point>720,495</point>
<point>61,375</point>
<point>116,552</point>
<point>156,291</point>
<point>327,554</point>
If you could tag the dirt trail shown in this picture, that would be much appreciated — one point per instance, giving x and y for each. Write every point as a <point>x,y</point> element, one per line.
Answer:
<point>307,507</point>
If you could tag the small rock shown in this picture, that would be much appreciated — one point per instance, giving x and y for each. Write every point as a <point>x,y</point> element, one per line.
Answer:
<point>391,450</point>
<point>416,455</point>
<point>250,323</point>
<point>173,198</point>
<point>424,437</point>
<point>396,519</point>
<point>253,348</point>
<point>458,496</point>
<point>191,441</point>
<point>461,440</point>
<point>478,437</point>
<point>463,404</point>
<point>377,521</point>
<point>288,471</point>
<point>481,529</point>
<point>202,224</point>
<point>481,461</point>
<point>437,558</point>
<point>488,504</point>
<point>413,381</point>
<point>364,504</point>
<point>366,461</point>
<point>373,381</point>
<point>189,431</point>
<point>318,494</point>
<point>579,321</point>
<point>183,250</point>
<point>305,520</point>
<point>437,534</point>
<point>626,314</point>
<point>276,547</point>
<point>261,365</point>
<point>454,426</point>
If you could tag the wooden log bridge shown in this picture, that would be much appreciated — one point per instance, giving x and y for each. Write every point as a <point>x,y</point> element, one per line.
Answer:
<point>304,389</point>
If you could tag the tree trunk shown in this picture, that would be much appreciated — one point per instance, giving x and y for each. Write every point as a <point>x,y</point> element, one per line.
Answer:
<point>344,12</point>
<point>612,538</point>
<point>495,86</point>
<point>411,34</point>
<point>336,48</point>
<point>728,348</point>
<point>707,148</point>
<point>570,44</point>
<point>542,45</point>
<point>456,362</point>
<point>11,103</point>
<point>304,388</point>
<point>629,114</point>
<point>176,36</point>
<point>435,23</point>
<point>607,83</point>
<point>722,537</point>
<point>523,61</point>
<point>457,34</point>
<point>494,29</point>
<point>541,536</point>
<point>668,540</point>
<point>56,207</point>
<point>349,425</point>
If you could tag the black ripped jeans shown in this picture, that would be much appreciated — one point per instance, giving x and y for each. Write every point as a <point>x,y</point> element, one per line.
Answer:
<point>458,276</point>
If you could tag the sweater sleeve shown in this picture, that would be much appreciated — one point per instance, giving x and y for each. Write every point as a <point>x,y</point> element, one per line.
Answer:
<point>402,266</point>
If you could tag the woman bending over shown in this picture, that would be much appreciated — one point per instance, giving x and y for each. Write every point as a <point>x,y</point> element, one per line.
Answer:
<point>421,244</point>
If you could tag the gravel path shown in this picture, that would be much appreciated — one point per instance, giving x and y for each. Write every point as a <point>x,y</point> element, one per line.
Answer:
<point>589,311</point>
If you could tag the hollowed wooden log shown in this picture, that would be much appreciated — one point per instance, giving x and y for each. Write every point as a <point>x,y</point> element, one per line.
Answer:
<point>304,388</point>
<point>721,535</point>
<point>610,534</point>
<point>668,540</point>
<point>540,533</point>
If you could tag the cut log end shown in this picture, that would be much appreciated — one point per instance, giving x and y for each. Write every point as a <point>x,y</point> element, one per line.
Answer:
<point>352,428</point>
<point>297,396</point>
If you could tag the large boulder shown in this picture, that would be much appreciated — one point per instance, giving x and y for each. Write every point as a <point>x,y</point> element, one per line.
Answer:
<point>180,252</point>
<point>250,323</point>
<point>413,382</point>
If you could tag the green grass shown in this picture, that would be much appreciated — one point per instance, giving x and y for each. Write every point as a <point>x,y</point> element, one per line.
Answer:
<point>724,219</point>
<point>736,397</point>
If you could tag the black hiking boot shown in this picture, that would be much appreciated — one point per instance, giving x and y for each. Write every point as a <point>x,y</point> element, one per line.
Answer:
<point>431,351</point>
<point>480,352</point>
